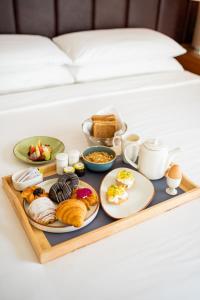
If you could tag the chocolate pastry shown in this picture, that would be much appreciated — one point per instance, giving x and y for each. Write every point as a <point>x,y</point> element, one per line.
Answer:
<point>71,179</point>
<point>60,191</point>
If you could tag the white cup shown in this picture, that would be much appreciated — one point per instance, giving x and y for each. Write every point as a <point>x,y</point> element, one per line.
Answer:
<point>133,140</point>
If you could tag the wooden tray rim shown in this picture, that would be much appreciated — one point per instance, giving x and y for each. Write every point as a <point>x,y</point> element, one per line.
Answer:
<point>45,252</point>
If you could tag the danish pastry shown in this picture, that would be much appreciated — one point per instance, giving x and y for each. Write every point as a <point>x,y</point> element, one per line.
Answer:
<point>71,212</point>
<point>42,210</point>
<point>71,179</point>
<point>33,192</point>
<point>86,195</point>
<point>60,191</point>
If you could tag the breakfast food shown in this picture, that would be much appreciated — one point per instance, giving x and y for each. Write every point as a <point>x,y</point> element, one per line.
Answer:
<point>60,191</point>
<point>39,152</point>
<point>32,193</point>
<point>71,179</point>
<point>99,157</point>
<point>68,170</point>
<point>86,195</point>
<point>79,169</point>
<point>110,117</point>
<point>71,212</point>
<point>104,126</point>
<point>125,178</point>
<point>116,194</point>
<point>174,172</point>
<point>42,210</point>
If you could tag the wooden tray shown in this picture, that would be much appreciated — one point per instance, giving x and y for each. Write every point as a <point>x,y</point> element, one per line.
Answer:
<point>46,252</point>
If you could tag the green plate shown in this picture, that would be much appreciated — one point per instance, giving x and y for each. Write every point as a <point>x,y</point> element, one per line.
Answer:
<point>21,148</point>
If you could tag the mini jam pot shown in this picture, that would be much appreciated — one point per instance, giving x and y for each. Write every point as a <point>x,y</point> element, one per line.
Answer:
<point>68,170</point>
<point>98,167</point>
<point>79,169</point>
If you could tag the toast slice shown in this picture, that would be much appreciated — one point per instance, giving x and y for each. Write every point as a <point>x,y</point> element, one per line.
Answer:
<point>104,129</point>
<point>110,117</point>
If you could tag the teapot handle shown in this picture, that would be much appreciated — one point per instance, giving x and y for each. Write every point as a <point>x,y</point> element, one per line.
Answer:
<point>172,154</point>
<point>128,159</point>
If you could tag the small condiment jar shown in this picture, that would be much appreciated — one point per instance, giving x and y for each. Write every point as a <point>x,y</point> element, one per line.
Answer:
<point>74,156</point>
<point>69,170</point>
<point>79,169</point>
<point>61,162</point>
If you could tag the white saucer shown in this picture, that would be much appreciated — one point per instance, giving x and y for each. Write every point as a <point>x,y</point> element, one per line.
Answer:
<point>139,195</point>
<point>58,227</point>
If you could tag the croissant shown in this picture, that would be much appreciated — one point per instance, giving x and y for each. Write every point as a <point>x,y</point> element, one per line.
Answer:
<point>71,212</point>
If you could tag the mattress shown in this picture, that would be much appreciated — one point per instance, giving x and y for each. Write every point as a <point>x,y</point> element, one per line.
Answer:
<point>155,260</point>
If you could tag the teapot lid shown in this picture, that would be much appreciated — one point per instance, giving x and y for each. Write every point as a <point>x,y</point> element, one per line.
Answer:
<point>154,144</point>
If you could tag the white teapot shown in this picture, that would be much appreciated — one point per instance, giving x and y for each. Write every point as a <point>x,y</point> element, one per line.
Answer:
<point>153,158</point>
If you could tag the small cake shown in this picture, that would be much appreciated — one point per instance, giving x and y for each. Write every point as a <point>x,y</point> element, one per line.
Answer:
<point>86,195</point>
<point>60,191</point>
<point>125,178</point>
<point>69,170</point>
<point>116,194</point>
<point>33,192</point>
<point>71,212</point>
<point>43,211</point>
<point>79,169</point>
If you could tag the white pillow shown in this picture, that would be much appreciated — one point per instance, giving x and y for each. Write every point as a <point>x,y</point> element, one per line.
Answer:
<point>112,70</point>
<point>37,77</point>
<point>115,45</point>
<point>27,50</point>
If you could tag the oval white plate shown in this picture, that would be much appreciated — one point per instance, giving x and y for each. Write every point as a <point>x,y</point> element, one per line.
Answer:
<point>139,195</point>
<point>58,227</point>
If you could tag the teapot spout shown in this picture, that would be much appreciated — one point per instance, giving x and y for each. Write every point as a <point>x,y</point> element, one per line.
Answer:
<point>172,154</point>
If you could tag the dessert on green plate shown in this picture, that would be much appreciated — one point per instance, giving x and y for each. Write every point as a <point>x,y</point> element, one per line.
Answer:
<point>38,150</point>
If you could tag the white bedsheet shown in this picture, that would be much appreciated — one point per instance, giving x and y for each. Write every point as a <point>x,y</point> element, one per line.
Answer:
<point>159,259</point>
<point>95,90</point>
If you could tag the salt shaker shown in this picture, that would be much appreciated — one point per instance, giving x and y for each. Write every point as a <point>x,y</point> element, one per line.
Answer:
<point>74,156</point>
<point>61,162</point>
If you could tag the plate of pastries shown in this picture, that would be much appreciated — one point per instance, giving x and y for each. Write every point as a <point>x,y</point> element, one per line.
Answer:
<point>61,204</point>
<point>124,192</point>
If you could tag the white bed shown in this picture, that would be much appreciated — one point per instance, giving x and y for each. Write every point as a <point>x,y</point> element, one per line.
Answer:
<point>158,259</point>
